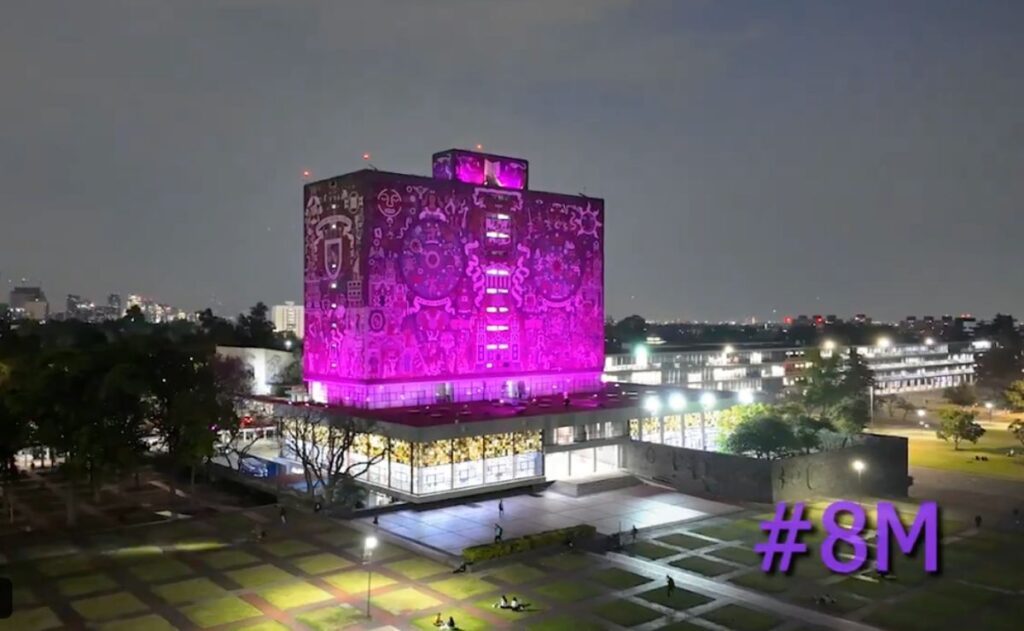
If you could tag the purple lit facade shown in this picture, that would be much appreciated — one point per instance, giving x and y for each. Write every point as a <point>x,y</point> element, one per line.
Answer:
<point>462,287</point>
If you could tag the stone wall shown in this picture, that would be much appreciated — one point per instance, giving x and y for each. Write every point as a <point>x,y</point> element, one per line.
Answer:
<point>739,478</point>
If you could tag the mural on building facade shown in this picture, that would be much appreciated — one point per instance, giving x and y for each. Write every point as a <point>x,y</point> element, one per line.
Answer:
<point>416,278</point>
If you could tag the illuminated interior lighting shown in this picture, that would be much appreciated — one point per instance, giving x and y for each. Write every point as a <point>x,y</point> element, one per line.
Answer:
<point>497,327</point>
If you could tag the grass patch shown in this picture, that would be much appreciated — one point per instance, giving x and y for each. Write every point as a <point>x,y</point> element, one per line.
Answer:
<point>683,625</point>
<point>743,556</point>
<point>567,591</point>
<point>417,568</point>
<point>212,613</point>
<point>626,613</point>
<point>321,563</point>
<point>354,581</point>
<point>463,621</point>
<point>88,584</point>
<point>134,554</point>
<point>405,600</point>
<point>617,578</point>
<point>1001,576</point>
<point>532,607</point>
<point>680,599</point>
<point>339,537</point>
<point>259,576</point>
<point>108,607</point>
<point>288,547</point>
<point>331,618</point>
<point>226,559</point>
<point>870,588</point>
<point>462,587</point>
<point>701,565</point>
<point>162,570</point>
<point>152,622</point>
<point>561,623</point>
<point>567,561</point>
<point>292,595</point>
<point>649,550</point>
<point>762,582</point>
<point>190,591</point>
<point>269,625</point>
<point>688,542</point>
<point>739,530</point>
<point>740,618</point>
<point>63,566</point>
<point>38,619</point>
<point>516,574</point>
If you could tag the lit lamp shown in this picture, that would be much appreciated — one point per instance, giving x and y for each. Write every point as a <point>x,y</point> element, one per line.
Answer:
<point>989,406</point>
<point>368,546</point>
<point>677,401</point>
<point>746,396</point>
<point>728,349</point>
<point>653,405</point>
<point>884,342</point>
<point>830,345</point>
<point>929,341</point>
<point>708,400</point>
<point>920,413</point>
<point>859,466</point>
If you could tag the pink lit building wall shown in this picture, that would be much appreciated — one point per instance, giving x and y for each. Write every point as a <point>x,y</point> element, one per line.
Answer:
<point>464,286</point>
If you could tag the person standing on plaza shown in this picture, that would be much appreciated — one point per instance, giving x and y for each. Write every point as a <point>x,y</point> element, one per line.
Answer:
<point>501,508</point>
<point>498,531</point>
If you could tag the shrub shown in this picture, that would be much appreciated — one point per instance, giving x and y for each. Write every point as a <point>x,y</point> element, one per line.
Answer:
<point>489,551</point>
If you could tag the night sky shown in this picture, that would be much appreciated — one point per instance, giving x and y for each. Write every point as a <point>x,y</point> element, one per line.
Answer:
<point>804,157</point>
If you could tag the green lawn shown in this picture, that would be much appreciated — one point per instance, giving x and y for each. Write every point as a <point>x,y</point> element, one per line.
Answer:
<point>341,537</point>
<point>625,613</point>
<point>226,559</point>
<point>737,530</point>
<point>743,556</point>
<point>404,600</point>
<point>740,618</point>
<point>688,542</point>
<point>462,587</point>
<point>870,588</point>
<point>37,619</point>
<point>762,582</point>
<point>152,622</point>
<point>108,607</point>
<point>683,625</point>
<point>561,623</point>
<point>268,625</point>
<point>567,590</point>
<point>292,595</point>
<point>650,550</point>
<point>331,617</point>
<point>701,565</point>
<point>354,581</point>
<point>926,450</point>
<point>160,570</point>
<point>679,600</point>
<point>417,568</point>
<point>189,591</point>
<point>321,563</point>
<point>617,578</point>
<point>260,575</point>
<point>212,613</point>
<point>64,566</point>
<point>288,547</point>
<point>86,584</point>
<point>567,561</point>
<point>463,621</point>
<point>516,573</point>
<point>530,607</point>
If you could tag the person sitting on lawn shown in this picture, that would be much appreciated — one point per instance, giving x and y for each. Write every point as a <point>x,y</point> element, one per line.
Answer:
<point>501,604</point>
<point>451,623</point>
<point>516,605</point>
<point>439,621</point>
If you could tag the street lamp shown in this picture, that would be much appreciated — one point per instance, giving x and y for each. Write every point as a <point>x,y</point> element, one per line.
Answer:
<point>652,404</point>
<point>728,349</point>
<point>288,344</point>
<point>884,342</point>
<point>929,341</point>
<point>368,545</point>
<point>746,396</point>
<point>677,401</point>
<point>989,406</point>
<point>830,345</point>
<point>708,400</point>
<point>920,413</point>
<point>858,466</point>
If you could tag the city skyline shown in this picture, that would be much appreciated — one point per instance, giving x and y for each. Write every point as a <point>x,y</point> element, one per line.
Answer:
<point>806,159</point>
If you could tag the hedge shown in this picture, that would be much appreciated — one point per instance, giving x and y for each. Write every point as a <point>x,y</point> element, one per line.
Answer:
<point>529,542</point>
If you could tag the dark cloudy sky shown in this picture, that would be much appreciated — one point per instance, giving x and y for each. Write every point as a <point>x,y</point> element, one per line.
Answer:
<point>807,157</point>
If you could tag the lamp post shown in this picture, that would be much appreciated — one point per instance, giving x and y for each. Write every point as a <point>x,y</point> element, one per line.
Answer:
<point>859,466</point>
<point>368,545</point>
<point>989,406</point>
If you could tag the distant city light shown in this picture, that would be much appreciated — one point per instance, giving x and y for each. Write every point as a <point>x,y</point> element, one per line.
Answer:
<point>677,401</point>
<point>652,404</point>
<point>708,399</point>
<point>829,345</point>
<point>884,342</point>
<point>746,396</point>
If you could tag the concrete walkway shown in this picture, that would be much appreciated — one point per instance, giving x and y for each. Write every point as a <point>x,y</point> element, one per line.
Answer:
<point>453,528</point>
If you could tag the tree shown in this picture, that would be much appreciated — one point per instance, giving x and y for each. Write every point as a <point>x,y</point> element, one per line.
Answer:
<point>1017,429</point>
<point>957,425</point>
<point>807,431</point>
<point>764,436</point>
<point>631,330</point>
<point>322,445</point>
<point>14,434</point>
<point>905,406</point>
<point>730,418</point>
<point>255,329</point>
<point>963,394</point>
<point>1014,395</point>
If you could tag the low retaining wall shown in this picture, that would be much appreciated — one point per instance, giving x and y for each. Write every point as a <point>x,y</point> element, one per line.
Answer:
<point>744,479</point>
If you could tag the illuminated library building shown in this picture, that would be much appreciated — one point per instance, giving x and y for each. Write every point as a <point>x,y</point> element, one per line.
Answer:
<point>462,316</point>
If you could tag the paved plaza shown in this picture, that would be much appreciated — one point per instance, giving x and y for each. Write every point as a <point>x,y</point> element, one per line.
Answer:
<point>453,528</point>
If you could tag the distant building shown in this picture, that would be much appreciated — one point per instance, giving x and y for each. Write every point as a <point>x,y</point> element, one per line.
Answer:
<point>30,302</point>
<point>115,304</point>
<point>288,318</point>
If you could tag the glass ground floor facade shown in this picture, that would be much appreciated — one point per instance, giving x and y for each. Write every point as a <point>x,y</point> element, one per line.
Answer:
<point>693,431</point>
